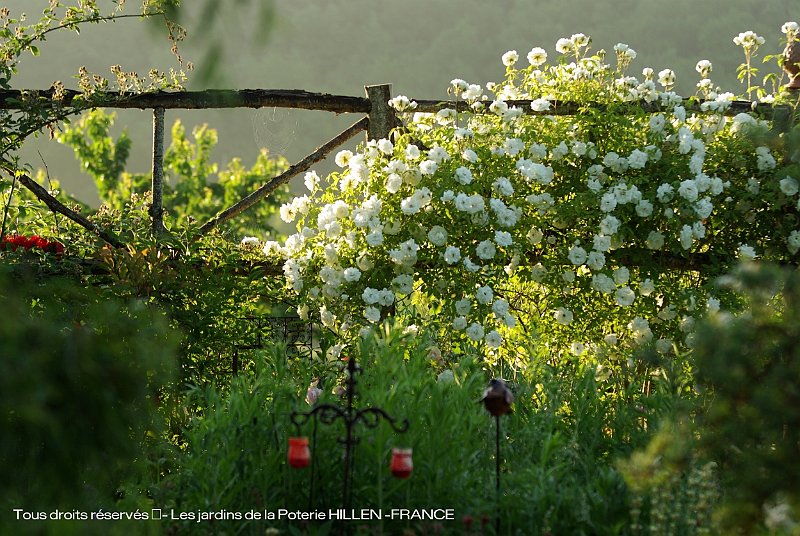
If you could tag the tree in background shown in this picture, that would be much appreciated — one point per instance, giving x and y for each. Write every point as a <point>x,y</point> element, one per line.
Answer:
<point>190,194</point>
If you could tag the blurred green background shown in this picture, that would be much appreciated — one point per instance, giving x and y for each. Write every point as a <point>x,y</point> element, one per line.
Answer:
<point>338,46</point>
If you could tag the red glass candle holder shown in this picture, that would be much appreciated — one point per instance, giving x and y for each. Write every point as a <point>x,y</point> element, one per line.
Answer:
<point>299,453</point>
<point>402,465</point>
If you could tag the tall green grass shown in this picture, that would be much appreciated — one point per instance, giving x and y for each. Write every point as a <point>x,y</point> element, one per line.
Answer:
<point>559,448</point>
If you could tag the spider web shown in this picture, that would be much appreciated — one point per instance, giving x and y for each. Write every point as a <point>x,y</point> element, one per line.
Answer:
<point>275,129</point>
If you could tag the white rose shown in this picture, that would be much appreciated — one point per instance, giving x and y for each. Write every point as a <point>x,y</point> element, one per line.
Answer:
<point>493,339</point>
<point>484,295</point>
<point>647,287</point>
<point>563,316</point>
<point>624,296</point>
<point>789,186</point>
<point>437,235</point>
<point>577,255</point>
<point>475,331</point>
<point>452,255</point>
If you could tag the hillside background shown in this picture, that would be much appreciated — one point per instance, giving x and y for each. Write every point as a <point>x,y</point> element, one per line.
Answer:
<point>338,46</point>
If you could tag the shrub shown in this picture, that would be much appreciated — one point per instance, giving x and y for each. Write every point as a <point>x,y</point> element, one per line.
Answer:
<point>79,381</point>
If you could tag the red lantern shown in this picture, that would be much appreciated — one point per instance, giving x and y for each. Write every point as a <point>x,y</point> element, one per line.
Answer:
<point>299,454</point>
<point>401,463</point>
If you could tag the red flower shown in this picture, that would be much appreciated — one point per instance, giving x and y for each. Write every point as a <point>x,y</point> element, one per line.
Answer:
<point>39,242</point>
<point>54,247</point>
<point>13,242</point>
<point>9,243</point>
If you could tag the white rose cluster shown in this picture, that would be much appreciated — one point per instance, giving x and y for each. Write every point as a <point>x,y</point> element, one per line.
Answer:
<point>480,199</point>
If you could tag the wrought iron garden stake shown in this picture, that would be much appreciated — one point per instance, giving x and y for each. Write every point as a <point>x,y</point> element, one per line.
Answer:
<point>330,413</point>
<point>497,399</point>
<point>497,474</point>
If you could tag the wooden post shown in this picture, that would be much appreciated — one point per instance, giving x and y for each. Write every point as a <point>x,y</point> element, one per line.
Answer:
<point>157,209</point>
<point>381,116</point>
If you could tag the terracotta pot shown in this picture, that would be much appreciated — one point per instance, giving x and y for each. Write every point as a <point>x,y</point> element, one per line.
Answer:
<point>791,64</point>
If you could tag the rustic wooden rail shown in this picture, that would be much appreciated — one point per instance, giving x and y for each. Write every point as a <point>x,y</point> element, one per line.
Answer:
<point>378,124</point>
<point>14,99</point>
<point>194,100</point>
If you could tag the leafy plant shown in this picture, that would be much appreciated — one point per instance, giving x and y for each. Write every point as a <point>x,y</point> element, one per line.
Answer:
<point>751,364</point>
<point>38,112</point>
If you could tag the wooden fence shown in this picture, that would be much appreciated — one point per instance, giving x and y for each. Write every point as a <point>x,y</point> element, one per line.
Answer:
<point>378,122</point>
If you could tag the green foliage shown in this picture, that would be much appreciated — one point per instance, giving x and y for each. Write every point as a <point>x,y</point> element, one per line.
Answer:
<point>207,285</point>
<point>672,492</point>
<point>190,194</point>
<point>79,380</point>
<point>597,442</point>
<point>741,432</point>
<point>23,211</point>
<point>751,364</point>
<point>102,157</point>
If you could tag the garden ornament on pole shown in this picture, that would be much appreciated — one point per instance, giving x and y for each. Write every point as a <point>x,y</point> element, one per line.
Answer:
<point>497,399</point>
<point>401,465</point>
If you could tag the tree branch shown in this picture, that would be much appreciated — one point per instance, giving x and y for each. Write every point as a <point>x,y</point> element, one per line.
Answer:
<point>73,24</point>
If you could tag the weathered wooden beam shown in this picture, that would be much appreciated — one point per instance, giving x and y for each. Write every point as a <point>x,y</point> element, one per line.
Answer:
<point>256,196</point>
<point>190,100</point>
<point>56,206</point>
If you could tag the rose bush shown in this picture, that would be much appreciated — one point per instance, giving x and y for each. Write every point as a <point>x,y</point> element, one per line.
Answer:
<point>605,226</point>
